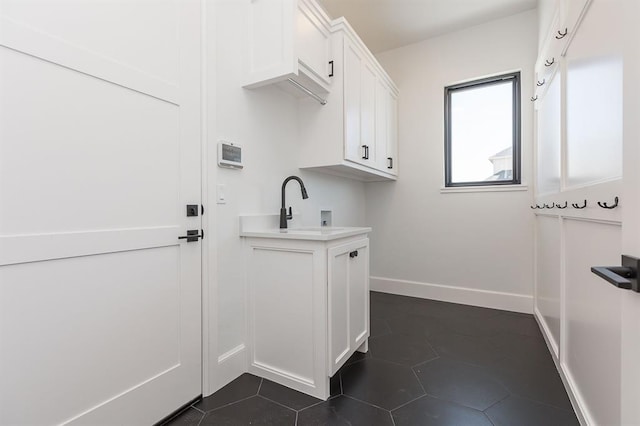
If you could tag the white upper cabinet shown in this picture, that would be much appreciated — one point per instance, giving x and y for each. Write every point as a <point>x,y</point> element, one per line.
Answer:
<point>355,133</point>
<point>386,128</point>
<point>359,104</point>
<point>287,39</point>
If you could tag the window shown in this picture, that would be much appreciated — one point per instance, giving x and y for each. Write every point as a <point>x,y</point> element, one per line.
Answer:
<point>482,132</point>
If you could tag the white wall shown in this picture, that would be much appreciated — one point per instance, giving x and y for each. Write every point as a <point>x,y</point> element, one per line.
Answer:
<point>265,122</point>
<point>546,9</point>
<point>480,241</point>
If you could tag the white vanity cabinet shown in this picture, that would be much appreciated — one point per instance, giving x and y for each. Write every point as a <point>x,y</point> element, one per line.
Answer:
<point>355,133</point>
<point>287,39</point>
<point>308,307</point>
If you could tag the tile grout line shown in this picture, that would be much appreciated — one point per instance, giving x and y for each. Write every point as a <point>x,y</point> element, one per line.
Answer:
<point>230,403</point>
<point>277,403</point>
<point>367,403</point>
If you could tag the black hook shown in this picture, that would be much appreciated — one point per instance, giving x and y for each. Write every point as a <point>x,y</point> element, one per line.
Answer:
<point>562,207</point>
<point>540,83</point>
<point>562,35</point>
<point>605,206</point>
<point>536,207</point>
<point>576,206</point>
<point>534,98</point>
<point>548,64</point>
<point>549,207</point>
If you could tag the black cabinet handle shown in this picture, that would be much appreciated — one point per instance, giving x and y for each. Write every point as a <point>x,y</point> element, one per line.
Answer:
<point>331,72</point>
<point>366,152</point>
<point>390,166</point>
<point>625,276</point>
<point>353,254</point>
<point>548,63</point>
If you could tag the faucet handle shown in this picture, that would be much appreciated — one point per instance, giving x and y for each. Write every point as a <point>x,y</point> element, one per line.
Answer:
<point>290,214</point>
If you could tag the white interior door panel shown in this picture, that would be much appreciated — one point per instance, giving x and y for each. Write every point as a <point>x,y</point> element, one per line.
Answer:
<point>100,151</point>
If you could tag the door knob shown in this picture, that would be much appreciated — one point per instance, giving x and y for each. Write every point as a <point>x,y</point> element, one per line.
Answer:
<point>625,276</point>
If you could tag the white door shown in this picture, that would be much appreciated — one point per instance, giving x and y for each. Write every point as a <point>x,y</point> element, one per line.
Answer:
<point>631,214</point>
<point>100,302</point>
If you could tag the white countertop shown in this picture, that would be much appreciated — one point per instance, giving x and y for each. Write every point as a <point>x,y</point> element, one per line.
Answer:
<point>325,233</point>
<point>266,226</point>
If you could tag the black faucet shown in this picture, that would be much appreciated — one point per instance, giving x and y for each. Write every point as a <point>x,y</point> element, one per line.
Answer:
<point>283,210</point>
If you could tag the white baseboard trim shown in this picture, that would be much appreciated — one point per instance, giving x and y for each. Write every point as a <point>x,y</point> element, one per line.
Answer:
<point>463,295</point>
<point>548,337</point>
<point>231,365</point>
<point>569,384</point>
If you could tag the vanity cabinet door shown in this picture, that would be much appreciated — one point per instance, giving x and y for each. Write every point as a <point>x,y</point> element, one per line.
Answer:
<point>348,295</point>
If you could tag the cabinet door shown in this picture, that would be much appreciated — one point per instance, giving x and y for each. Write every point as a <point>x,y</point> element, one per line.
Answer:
<point>312,41</point>
<point>359,107</point>
<point>368,114</point>
<point>352,79</point>
<point>391,158</point>
<point>348,295</point>
<point>382,124</point>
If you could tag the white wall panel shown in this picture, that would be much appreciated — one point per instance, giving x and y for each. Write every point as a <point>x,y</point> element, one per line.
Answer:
<point>549,134</point>
<point>591,354</point>
<point>548,273</point>
<point>123,307</point>
<point>150,46</point>
<point>114,148</point>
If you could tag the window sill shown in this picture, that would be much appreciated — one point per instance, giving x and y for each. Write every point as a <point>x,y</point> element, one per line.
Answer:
<point>485,188</point>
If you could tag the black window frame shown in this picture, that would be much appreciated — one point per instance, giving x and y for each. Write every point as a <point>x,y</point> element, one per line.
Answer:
<point>517,125</point>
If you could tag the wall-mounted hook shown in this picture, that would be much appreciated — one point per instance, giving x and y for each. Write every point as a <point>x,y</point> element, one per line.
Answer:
<point>562,35</point>
<point>548,63</point>
<point>541,83</point>
<point>605,206</point>
<point>534,98</point>
<point>562,207</point>
<point>576,206</point>
<point>548,207</point>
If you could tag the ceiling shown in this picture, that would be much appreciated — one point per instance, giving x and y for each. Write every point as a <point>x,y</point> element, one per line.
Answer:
<point>387,24</point>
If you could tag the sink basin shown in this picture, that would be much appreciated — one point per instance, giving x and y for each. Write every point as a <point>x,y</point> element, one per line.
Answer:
<point>322,229</point>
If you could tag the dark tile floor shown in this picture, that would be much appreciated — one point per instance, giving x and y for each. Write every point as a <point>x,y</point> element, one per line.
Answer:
<point>429,363</point>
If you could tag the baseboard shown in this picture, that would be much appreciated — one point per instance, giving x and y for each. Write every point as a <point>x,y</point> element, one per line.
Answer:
<point>546,333</point>
<point>569,384</point>
<point>463,295</point>
<point>231,365</point>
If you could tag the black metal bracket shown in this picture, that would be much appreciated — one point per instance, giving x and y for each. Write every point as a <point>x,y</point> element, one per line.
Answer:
<point>577,206</point>
<point>562,35</point>
<point>605,206</point>
<point>625,276</point>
